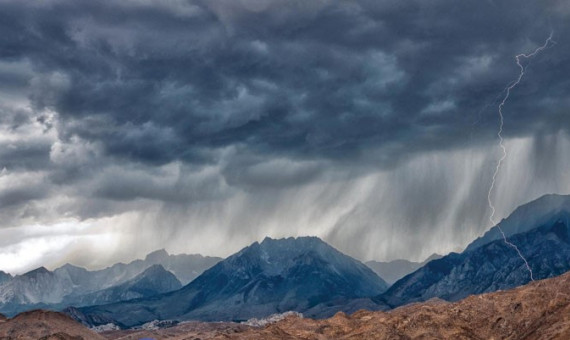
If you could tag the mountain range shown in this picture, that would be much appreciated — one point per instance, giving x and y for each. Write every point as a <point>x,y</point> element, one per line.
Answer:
<point>68,285</point>
<point>301,274</point>
<point>296,274</point>
<point>539,310</point>
<point>154,280</point>
<point>490,264</point>
<point>307,275</point>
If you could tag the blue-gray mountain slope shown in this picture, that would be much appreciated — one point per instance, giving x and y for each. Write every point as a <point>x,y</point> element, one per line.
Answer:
<point>493,265</point>
<point>153,281</point>
<point>72,285</point>
<point>296,274</point>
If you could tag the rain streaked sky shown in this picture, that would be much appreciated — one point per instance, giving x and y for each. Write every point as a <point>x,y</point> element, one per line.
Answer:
<point>201,126</point>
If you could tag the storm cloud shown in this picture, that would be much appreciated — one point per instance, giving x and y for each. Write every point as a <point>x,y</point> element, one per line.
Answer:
<point>369,123</point>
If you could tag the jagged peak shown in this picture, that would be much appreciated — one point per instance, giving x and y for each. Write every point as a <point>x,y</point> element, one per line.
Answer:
<point>432,257</point>
<point>155,271</point>
<point>526,217</point>
<point>69,266</point>
<point>297,242</point>
<point>276,254</point>
<point>37,271</point>
<point>155,268</point>
<point>157,255</point>
<point>268,239</point>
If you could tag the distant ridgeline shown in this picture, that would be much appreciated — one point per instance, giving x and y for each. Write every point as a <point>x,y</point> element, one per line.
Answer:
<point>297,274</point>
<point>69,285</point>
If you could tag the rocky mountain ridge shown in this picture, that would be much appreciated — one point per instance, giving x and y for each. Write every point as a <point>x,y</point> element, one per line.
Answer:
<point>538,310</point>
<point>72,285</point>
<point>492,266</point>
<point>296,274</point>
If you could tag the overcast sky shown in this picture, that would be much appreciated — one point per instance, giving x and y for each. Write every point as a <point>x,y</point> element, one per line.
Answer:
<point>202,126</point>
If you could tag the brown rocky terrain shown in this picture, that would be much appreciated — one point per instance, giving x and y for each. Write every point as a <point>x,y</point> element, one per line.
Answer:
<point>45,325</point>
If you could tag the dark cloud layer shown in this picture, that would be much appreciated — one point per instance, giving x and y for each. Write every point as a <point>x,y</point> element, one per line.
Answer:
<point>230,112</point>
<point>157,81</point>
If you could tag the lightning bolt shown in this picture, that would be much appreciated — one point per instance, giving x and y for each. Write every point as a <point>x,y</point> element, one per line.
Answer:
<point>507,91</point>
